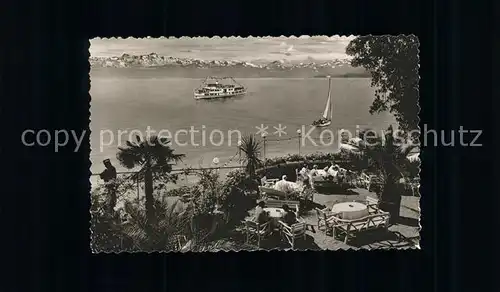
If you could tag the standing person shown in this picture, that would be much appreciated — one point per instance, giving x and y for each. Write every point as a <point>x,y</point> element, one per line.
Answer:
<point>109,177</point>
<point>109,173</point>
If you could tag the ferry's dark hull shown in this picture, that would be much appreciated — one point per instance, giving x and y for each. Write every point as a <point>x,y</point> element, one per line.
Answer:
<point>203,96</point>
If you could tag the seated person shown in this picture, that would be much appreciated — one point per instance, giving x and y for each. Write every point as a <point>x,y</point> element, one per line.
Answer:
<point>344,136</point>
<point>348,175</point>
<point>314,171</point>
<point>321,121</point>
<point>283,185</point>
<point>363,179</point>
<point>342,174</point>
<point>363,176</point>
<point>266,181</point>
<point>263,180</point>
<point>304,172</point>
<point>306,182</point>
<point>333,170</point>
<point>289,218</point>
<point>260,215</point>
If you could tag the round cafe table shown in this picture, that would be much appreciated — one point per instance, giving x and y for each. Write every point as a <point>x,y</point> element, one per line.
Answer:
<point>351,210</point>
<point>275,214</point>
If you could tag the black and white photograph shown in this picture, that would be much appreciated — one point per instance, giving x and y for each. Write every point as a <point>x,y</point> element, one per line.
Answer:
<point>206,144</point>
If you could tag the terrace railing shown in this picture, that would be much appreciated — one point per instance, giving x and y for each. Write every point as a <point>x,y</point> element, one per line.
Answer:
<point>266,141</point>
<point>182,171</point>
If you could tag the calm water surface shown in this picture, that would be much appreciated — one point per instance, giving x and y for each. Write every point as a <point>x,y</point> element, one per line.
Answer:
<point>138,100</point>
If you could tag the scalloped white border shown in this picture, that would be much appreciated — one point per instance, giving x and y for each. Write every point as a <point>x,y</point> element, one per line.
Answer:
<point>338,37</point>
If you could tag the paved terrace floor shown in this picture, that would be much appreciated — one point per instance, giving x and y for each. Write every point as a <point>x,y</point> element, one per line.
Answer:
<point>404,234</point>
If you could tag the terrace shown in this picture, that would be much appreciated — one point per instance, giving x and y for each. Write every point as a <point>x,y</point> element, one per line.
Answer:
<point>402,234</point>
<point>214,209</point>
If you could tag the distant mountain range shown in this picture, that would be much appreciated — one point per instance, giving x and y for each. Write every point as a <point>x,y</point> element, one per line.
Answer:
<point>155,60</point>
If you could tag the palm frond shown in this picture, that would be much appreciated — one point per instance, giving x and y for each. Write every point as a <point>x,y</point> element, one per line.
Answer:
<point>160,236</point>
<point>251,148</point>
<point>130,157</point>
<point>154,151</point>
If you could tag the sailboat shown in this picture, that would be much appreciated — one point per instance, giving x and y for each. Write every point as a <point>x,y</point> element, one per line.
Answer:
<point>326,119</point>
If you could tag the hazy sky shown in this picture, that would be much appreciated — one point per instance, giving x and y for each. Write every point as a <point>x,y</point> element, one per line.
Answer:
<point>244,49</point>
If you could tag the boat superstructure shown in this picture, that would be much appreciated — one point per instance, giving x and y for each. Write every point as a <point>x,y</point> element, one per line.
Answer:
<point>217,87</point>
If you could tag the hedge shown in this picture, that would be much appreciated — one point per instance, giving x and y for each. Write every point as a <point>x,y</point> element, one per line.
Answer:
<point>286,165</point>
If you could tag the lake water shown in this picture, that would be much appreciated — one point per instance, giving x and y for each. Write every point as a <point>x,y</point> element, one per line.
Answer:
<point>135,99</point>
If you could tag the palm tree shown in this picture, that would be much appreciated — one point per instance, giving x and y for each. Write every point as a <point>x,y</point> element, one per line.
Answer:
<point>389,159</point>
<point>251,147</point>
<point>154,157</point>
<point>172,224</point>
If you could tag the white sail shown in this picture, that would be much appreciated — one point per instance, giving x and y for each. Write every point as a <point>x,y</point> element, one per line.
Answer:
<point>328,103</point>
<point>327,108</point>
<point>330,98</point>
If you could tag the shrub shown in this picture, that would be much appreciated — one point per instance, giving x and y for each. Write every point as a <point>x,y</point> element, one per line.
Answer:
<point>286,165</point>
<point>237,196</point>
<point>162,235</point>
<point>179,192</point>
<point>105,229</point>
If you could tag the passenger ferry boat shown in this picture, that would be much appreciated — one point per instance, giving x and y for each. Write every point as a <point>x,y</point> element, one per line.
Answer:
<point>212,87</point>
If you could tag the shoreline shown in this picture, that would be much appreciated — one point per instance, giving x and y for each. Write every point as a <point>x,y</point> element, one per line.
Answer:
<point>237,72</point>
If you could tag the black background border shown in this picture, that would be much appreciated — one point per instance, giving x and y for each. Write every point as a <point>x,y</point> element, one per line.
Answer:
<point>45,199</point>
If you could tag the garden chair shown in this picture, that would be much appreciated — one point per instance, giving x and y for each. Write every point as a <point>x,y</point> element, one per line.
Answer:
<point>325,220</point>
<point>372,204</point>
<point>256,231</point>
<point>270,182</point>
<point>181,241</point>
<point>272,193</point>
<point>294,205</point>
<point>351,228</point>
<point>365,181</point>
<point>293,233</point>
<point>415,187</point>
